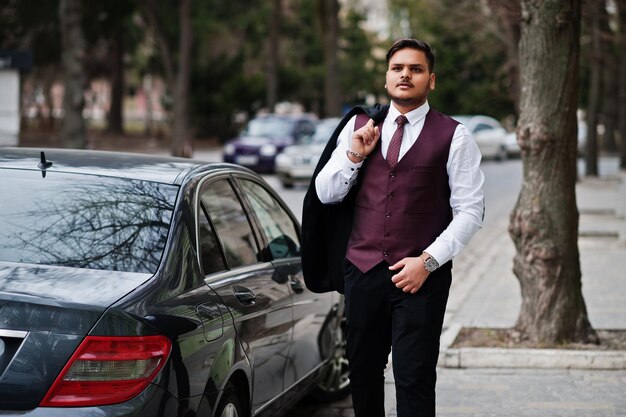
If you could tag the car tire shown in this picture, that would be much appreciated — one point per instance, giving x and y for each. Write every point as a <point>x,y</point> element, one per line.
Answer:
<point>230,404</point>
<point>334,382</point>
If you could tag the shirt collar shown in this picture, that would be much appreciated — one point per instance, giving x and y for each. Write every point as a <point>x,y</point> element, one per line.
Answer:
<point>413,116</point>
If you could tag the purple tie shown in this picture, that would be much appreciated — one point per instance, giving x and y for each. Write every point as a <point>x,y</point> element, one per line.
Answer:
<point>393,152</point>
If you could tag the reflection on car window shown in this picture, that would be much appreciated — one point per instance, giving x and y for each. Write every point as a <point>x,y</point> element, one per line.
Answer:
<point>210,251</point>
<point>270,127</point>
<point>482,126</point>
<point>84,221</point>
<point>276,224</point>
<point>231,224</point>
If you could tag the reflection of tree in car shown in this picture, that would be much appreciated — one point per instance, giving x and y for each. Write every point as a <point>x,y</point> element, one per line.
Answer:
<point>110,225</point>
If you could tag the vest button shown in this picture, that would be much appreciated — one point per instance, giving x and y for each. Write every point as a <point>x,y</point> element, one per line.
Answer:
<point>386,235</point>
<point>388,215</point>
<point>392,174</point>
<point>385,254</point>
<point>389,195</point>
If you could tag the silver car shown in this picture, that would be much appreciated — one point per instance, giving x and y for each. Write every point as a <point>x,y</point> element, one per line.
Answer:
<point>489,134</point>
<point>297,162</point>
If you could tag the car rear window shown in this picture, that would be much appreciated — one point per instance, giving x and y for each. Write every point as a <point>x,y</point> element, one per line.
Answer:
<point>84,221</point>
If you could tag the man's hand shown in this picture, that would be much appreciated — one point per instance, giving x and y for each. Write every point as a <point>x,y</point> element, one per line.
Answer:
<point>364,140</point>
<point>411,276</point>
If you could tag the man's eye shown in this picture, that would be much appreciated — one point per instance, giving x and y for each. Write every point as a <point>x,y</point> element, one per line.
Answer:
<point>416,70</point>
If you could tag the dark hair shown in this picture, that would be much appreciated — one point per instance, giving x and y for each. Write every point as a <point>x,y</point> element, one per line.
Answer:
<point>414,44</point>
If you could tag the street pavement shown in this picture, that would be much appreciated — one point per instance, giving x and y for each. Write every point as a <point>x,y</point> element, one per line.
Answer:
<point>485,293</point>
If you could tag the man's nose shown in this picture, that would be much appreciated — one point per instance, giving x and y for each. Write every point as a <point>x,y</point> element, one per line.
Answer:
<point>406,73</point>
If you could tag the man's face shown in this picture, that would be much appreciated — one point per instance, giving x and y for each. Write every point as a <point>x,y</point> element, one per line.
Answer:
<point>408,78</point>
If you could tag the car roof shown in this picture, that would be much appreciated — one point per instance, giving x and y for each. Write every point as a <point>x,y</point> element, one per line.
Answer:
<point>288,116</point>
<point>155,168</point>
<point>472,119</point>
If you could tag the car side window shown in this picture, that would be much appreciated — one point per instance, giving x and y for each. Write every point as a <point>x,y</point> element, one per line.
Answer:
<point>482,126</point>
<point>211,256</point>
<point>276,224</point>
<point>231,223</point>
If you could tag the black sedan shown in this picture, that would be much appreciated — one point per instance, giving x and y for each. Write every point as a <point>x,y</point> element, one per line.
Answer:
<point>146,286</point>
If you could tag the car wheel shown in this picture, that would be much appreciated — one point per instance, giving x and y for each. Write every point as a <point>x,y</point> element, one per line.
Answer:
<point>334,382</point>
<point>230,405</point>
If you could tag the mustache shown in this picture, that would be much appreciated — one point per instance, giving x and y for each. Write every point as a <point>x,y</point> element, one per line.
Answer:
<point>405,82</point>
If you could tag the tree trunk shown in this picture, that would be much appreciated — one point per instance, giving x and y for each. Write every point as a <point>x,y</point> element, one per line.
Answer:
<point>595,89</point>
<point>115,116</point>
<point>181,140</point>
<point>273,55</point>
<point>621,5</point>
<point>73,55</point>
<point>508,16</point>
<point>544,222</point>
<point>330,33</point>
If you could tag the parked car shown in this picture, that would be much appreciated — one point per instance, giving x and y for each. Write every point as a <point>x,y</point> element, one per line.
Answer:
<point>264,137</point>
<point>149,286</point>
<point>297,162</point>
<point>511,146</point>
<point>488,133</point>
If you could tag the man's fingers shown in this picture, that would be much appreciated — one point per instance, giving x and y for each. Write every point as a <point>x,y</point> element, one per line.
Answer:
<point>397,265</point>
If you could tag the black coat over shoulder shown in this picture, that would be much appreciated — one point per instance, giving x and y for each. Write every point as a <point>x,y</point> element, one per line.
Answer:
<point>326,227</point>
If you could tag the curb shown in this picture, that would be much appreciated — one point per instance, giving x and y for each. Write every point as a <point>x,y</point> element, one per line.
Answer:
<point>526,358</point>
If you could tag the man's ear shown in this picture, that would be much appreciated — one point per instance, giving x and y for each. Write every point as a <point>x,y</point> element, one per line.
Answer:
<point>432,80</point>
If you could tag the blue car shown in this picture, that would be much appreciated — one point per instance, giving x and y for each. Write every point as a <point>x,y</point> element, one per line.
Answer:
<point>264,137</point>
<point>135,285</point>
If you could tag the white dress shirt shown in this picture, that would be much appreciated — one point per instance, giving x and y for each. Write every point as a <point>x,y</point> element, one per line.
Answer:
<point>465,178</point>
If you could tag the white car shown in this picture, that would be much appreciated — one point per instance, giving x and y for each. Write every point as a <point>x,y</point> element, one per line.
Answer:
<point>489,134</point>
<point>297,162</point>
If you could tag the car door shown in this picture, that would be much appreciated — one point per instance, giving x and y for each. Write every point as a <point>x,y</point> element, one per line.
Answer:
<point>259,301</point>
<point>281,232</point>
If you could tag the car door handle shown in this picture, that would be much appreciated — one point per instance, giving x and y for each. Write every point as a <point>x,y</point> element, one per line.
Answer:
<point>296,285</point>
<point>244,295</point>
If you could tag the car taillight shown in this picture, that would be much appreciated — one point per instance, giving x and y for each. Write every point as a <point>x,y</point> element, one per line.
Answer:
<point>108,370</point>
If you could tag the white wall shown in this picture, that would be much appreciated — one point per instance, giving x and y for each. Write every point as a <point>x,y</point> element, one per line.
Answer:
<point>9,107</point>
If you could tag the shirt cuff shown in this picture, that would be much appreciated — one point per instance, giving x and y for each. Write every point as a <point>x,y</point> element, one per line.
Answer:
<point>439,251</point>
<point>349,168</point>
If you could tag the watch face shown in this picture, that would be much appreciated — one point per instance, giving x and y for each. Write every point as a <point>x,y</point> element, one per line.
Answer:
<point>431,264</point>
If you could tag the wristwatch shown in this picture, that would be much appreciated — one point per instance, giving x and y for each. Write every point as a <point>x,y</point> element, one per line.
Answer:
<point>430,264</point>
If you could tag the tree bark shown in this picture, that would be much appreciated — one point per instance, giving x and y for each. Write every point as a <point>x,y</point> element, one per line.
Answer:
<point>329,17</point>
<point>595,90</point>
<point>73,55</point>
<point>181,140</point>
<point>544,222</point>
<point>115,116</point>
<point>273,55</point>
<point>621,6</point>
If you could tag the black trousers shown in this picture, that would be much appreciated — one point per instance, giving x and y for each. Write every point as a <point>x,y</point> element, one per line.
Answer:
<point>381,317</point>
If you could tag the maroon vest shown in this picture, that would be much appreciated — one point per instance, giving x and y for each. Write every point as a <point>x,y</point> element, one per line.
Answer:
<point>400,212</point>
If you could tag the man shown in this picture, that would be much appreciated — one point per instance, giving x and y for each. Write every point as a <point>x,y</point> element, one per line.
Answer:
<point>396,195</point>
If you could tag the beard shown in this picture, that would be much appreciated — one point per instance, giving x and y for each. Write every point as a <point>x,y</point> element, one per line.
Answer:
<point>414,101</point>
